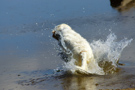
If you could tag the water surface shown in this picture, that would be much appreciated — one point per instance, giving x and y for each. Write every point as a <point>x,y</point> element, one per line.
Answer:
<point>27,51</point>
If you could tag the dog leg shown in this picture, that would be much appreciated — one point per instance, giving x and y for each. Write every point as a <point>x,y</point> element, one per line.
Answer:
<point>84,60</point>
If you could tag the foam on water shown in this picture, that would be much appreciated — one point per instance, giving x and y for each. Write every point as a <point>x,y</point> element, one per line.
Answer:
<point>106,53</point>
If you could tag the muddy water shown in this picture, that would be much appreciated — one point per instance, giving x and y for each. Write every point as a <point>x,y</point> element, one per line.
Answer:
<point>28,55</point>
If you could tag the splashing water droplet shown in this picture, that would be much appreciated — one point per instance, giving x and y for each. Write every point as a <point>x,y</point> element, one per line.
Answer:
<point>107,53</point>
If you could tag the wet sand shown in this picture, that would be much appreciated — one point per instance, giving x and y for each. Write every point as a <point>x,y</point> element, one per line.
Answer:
<point>28,54</point>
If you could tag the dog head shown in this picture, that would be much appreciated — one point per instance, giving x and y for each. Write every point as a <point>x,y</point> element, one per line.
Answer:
<point>59,30</point>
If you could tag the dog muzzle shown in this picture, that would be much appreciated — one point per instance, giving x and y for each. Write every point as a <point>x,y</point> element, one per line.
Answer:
<point>56,36</point>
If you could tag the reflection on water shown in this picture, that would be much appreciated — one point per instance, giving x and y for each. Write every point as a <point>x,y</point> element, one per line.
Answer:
<point>64,81</point>
<point>79,83</point>
<point>123,5</point>
<point>68,81</point>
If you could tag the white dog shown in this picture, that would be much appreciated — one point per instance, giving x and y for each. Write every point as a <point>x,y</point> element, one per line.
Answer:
<point>71,40</point>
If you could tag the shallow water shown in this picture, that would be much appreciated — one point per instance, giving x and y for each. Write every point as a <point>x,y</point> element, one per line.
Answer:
<point>27,51</point>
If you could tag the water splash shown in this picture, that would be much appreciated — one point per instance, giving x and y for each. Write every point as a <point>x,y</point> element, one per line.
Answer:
<point>106,54</point>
